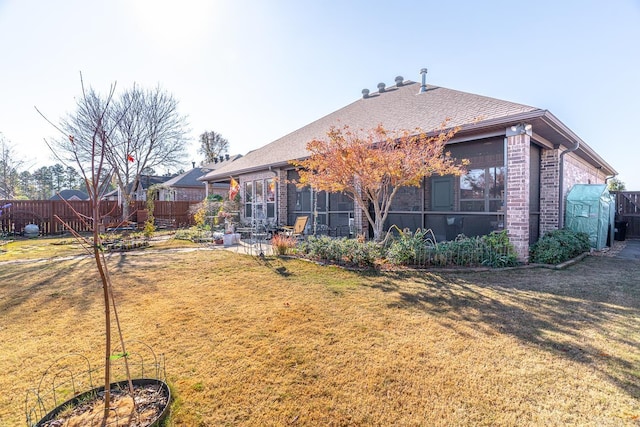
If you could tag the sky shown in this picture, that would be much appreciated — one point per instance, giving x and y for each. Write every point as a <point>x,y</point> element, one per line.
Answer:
<point>257,70</point>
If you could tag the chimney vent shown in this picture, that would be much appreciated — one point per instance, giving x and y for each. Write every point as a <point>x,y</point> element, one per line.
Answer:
<point>215,160</point>
<point>399,81</point>
<point>381,87</point>
<point>221,159</point>
<point>423,88</point>
<point>226,156</point>
<point>365,93</point>
<point>193,165</point>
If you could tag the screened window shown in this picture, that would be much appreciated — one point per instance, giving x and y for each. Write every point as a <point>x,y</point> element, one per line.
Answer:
<point>482,190</point>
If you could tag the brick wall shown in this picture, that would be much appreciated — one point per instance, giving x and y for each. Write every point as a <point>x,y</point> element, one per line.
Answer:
<point>517,197</point>
<point>549,184</point>
<point>577,171</point>
<point>189,194</point>
<point>283,208</point>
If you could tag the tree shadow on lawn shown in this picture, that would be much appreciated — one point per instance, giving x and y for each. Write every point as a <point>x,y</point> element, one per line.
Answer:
<point>43,283</point>
<point>554,310</point>
<point>77,282</point>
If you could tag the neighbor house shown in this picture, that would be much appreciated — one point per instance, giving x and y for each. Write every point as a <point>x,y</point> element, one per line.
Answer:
<point>140,192</point>
<point>187,187</point>
<point>70,195</point>
<point>523,160</point>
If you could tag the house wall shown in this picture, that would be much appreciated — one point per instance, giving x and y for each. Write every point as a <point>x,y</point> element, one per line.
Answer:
<point>577,171</point>
<point>189,194</point>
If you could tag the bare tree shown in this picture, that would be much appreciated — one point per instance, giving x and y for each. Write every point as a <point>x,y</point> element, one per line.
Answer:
<point>89,149</point>
<point>9,173</point>
<point>141,129</point>
<point>212,146</point>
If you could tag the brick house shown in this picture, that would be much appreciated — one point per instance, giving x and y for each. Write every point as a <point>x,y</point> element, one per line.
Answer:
<point>140,192</point>
<point>523,161</point>
<point>187,186</point>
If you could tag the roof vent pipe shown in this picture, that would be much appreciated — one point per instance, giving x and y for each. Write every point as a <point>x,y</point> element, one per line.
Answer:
<point>226,156</point>
<point>365,93</point>
<point>381,87</point>
<point>423,87</point>
<point>399,81</point>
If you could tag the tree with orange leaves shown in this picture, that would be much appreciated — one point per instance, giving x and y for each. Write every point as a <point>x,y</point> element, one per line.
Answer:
<point>370,167</point>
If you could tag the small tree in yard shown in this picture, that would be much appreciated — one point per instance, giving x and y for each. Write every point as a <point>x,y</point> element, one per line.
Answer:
<point>371,167</point>
<point>91,156</point>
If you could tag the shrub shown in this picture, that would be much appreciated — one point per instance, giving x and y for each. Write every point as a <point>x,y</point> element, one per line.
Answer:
<point>343,251</point>
<point>408,248</point>
<point>493,250</point>
<point>360,253</point>
<point>558,246</point>
<point>499,250</point>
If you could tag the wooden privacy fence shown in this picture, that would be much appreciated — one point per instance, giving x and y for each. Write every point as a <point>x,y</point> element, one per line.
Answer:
<point>628,210</point>
<point>16,214</point>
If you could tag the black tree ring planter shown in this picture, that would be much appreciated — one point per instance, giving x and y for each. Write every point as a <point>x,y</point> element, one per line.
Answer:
<point>152,398</point>
<point>68,387</point>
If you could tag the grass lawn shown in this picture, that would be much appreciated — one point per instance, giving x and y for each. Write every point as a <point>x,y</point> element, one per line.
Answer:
<point>249,342</point>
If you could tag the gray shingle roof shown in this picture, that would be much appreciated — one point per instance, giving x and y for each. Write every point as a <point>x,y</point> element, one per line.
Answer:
<point>190,178</point>
<point>70,195</point>
<point>396,108</point>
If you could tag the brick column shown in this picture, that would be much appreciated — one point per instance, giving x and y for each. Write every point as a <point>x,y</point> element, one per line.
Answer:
<point>283,205</point>
<point>517,197</point>
<point>549,187</point>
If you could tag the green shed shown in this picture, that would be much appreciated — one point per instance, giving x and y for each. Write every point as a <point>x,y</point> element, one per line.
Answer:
<point>589,211</point>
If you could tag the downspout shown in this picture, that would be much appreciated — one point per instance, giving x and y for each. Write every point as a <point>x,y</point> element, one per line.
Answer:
<point>606,180</point>
<point>561,185</point>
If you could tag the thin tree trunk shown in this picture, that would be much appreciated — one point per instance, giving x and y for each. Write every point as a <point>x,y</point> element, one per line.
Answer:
<point>107,311</point>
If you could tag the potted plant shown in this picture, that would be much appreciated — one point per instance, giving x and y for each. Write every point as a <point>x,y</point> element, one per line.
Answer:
<point>88,147</point>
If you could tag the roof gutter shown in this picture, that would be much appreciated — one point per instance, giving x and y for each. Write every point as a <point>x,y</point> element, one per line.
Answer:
<point>563,130</point>
<point>224,176</point>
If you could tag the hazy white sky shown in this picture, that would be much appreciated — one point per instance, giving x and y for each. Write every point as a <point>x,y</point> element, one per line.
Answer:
<point>257,70</point>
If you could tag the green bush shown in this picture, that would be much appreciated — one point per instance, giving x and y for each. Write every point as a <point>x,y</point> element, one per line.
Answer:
<point>493,250</point>
<point>558,246</point>
<point>499,250</point>
<point>342,251</point>
<point>407,248</point>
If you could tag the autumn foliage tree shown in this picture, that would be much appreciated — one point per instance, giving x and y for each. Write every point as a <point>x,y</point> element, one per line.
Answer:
<point>371,166</point>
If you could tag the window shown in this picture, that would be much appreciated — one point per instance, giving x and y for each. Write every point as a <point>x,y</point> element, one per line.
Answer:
<point>271,198</point>
<point>482,190</point>
<point>248,199</point>
<point>260,199</point>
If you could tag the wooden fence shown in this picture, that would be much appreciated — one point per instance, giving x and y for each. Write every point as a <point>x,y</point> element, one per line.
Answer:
<point>628,209</point>
<point>16,214</point>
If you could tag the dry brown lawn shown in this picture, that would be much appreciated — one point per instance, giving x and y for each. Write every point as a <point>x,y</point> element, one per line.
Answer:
<point>287,342</point>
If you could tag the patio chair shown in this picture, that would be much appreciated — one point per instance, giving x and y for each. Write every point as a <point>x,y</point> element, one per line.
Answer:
<point>297,230</point>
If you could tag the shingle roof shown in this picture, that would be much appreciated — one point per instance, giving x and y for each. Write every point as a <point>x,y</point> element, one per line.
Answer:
<point>396,108</point>
<point>70,195</point>
<point>190,178</point>
<point>145,182</point>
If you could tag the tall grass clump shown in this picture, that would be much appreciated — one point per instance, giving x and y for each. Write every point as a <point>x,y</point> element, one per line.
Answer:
<point>282,244</point>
